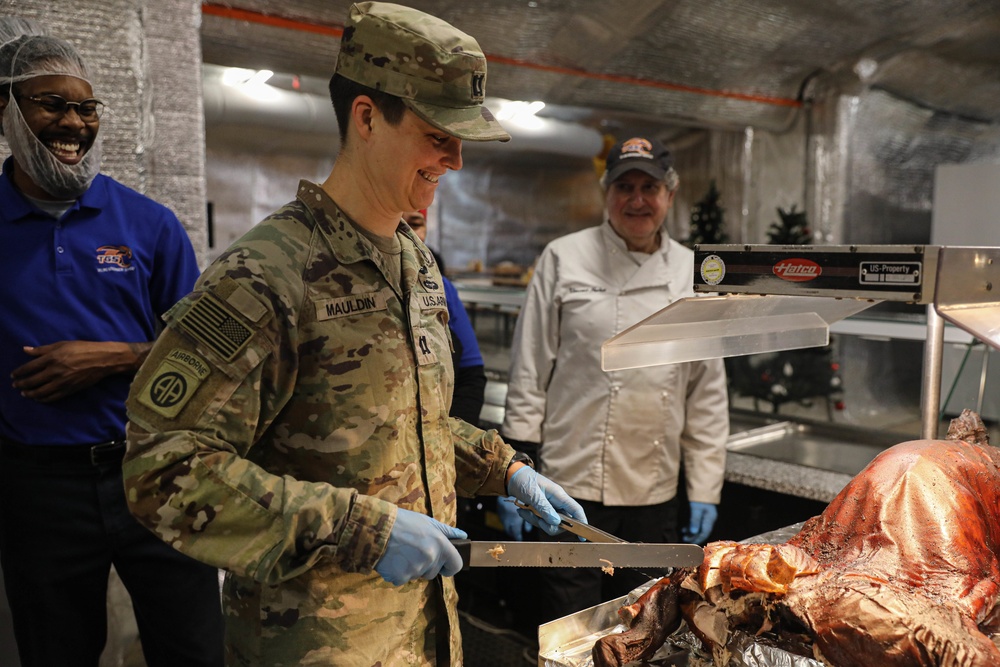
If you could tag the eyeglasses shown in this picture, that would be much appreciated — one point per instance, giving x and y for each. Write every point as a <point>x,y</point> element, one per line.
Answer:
<point>57,106</point>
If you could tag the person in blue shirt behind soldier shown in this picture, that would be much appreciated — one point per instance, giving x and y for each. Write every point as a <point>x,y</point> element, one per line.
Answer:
<point>87,266</point>
<point>470,371</point>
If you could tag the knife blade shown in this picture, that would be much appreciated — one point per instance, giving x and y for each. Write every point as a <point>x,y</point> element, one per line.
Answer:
<point>568,523</point>
<point>693,552</point>
<point>577,554</point>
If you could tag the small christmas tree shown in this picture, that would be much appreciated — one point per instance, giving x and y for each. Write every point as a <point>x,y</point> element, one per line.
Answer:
<point>793,229</point>
<point>789,376</point>
<point>707,225</point>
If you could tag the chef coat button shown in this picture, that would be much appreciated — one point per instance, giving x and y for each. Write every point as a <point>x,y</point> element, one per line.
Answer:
<point>614,389</point>
<point>664,394</point>
<point>611,438</point>
<point>656,442</point>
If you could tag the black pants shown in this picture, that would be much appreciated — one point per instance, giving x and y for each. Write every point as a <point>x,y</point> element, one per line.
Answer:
<point>63,524</point>
<point>564,591</point>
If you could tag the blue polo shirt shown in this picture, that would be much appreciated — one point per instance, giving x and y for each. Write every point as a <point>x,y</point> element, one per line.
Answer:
<point>106,271</point>
<point>461,326</point>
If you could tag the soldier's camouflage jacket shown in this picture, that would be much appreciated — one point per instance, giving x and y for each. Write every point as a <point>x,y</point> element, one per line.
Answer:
<point>294,401</point>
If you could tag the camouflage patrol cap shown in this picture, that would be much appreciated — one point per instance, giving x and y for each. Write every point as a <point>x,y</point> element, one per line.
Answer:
<point>438,70</point>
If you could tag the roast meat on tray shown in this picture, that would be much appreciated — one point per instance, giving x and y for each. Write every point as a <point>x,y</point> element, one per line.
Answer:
<point>900,570</point>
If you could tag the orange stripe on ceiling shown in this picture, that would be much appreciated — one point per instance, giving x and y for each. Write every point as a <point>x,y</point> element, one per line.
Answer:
<point>337,31</point>
<point>649,83</point>
<point>270,20</point>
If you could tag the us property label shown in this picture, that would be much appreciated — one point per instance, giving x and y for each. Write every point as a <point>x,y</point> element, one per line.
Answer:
<point>898,273</point>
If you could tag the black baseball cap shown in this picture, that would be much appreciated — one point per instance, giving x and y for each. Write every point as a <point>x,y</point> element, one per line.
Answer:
<point>646,155</point>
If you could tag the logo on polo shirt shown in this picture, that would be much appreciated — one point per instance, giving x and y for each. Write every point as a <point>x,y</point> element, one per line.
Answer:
<point>114,258</point>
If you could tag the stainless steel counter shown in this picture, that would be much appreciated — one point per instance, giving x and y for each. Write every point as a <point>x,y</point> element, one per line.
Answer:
<point>822,445</point>
<point>813,460</point>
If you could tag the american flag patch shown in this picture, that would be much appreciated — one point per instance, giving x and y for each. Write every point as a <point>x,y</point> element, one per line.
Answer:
<point>213,325</point>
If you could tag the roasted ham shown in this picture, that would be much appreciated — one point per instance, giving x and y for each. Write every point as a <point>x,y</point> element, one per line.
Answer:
<point>900,570</point>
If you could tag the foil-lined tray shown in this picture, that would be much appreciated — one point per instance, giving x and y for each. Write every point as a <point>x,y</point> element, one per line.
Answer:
<point>569,641</point>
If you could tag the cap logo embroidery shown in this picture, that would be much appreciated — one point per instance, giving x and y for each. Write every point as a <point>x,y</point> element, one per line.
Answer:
<point>637,147</point>
<point>478,87</point>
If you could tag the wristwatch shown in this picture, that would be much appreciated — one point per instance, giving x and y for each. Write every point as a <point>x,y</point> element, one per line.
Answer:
<point>521,457</point>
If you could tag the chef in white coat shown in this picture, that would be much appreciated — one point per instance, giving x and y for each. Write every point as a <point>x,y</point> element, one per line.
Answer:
<point>616,440</point>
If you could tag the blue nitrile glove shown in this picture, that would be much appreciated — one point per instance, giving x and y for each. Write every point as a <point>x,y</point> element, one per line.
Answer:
<point>513,524</point>
<point>544,495</point>
<point>703,516</point>
<point>418,548</point>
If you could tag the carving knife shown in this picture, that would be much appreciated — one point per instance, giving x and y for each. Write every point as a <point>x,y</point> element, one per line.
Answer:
<point>680,555</point>
<point>605,555</point>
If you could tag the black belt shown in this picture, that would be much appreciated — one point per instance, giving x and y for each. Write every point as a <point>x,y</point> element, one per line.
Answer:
<point>103,452</point>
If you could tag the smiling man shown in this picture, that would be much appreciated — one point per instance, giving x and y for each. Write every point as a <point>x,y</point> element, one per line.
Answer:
<point>616,440</point>
<point>291,424</point>
<point>87,266</point>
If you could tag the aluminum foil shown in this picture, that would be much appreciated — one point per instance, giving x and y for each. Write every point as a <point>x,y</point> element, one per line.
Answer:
<point>748,652</point>
<point>682,648</point>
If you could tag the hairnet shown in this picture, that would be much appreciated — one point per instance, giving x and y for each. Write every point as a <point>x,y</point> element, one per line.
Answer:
<point>26,51</point>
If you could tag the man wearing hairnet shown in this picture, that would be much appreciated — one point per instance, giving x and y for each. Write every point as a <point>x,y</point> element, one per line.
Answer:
<point>87,266</point>
<point>616,440</point>
<point>291,423</point>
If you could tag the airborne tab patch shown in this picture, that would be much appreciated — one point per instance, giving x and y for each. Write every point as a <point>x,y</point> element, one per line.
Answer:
<point>174,382</point>
<point>212,324</point>
<point>356,304</point>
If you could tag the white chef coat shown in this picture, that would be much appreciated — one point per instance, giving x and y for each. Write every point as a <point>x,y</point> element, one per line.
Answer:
<point>613,437</point>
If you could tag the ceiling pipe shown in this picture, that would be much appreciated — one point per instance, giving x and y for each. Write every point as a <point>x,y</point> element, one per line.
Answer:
<point>280,109</point>
<point>307,114</point>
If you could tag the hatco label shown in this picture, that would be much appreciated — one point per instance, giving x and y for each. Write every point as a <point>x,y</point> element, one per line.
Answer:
<point>797,269</point>
<point>713,270</point>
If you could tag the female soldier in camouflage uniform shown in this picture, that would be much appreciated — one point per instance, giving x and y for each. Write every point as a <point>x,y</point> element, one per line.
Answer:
<point>291,424</point>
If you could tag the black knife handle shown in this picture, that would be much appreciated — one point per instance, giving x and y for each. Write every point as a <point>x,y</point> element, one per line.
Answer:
<point>464,550</point>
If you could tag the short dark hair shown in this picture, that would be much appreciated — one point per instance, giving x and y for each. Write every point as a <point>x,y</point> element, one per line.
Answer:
<point>342,94</point>
<point>7,92</point>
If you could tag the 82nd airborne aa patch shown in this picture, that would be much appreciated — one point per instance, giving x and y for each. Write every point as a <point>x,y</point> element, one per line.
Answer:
<point>174,382</point>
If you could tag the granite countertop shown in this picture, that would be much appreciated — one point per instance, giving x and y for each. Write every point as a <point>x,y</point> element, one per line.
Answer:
<point>788,478</point>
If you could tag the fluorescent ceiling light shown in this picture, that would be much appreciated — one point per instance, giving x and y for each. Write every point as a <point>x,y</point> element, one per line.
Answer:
<point>235,76</point>
<point>259,78</point>
<point>522,114</point>
<point>251,82</point>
